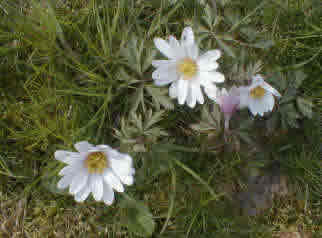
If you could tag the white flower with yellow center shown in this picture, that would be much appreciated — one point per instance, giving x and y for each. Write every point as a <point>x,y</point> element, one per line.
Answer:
<point>258,97</point>
<point>95,169</point>
<point>185,70</point>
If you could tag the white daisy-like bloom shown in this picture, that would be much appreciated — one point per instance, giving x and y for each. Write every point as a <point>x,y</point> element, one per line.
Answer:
<point>186,70</point>
<point>258,96</point>
<point>95,169</point>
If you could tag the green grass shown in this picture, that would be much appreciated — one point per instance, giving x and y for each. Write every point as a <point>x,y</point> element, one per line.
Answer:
<point>81,70</point>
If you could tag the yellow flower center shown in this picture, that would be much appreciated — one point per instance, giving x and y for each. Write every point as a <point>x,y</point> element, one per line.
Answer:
<point>257,92</point>
<point>188,68</point>
<point>96,162</point>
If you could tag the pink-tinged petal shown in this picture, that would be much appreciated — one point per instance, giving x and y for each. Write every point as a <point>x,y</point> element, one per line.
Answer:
<point>182,91</point>
<point>108,196</point>
<point>229,104</point>
<point>96,184</point>
<point>164,48</point>
<point>83,146</point>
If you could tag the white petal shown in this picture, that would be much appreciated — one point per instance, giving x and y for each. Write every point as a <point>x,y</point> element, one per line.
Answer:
<point>209,56</point>
<point>83,194</point>
<point>79,183</point>
<point>270,89</point>
<point>164,48</point>
<point>103,147</point>
<point>173,42</point>
<point>176,47</point>
<point>257,79</point>
<point>173,90</point>
<point>269,102</point>
<point>128,180</point>
<point>207,66</point>
<point>122,165</point>
<point>191,98</point>
<point>108,196</point>
<point>132,171</point>
<point>96,184</point>
<point>111,153</point>
<point>243,97</point>
<point>187,37</point>
<point>166,74</point>
<point>123,170</point>
<point>212,76</point>
<point>113,181</point>
<point>182,90</point>
<point>256,107</point>
<point>199,95</point>
<point>211,91</point>
<point>83,146</point>
<point>70,169</point>
<point>162,63</point>
<point>67,156</point>
<point>192,51</point>
<point>65,181</point>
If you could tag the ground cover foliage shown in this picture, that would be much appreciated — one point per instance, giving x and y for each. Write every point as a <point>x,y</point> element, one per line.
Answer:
<point>81,70</point>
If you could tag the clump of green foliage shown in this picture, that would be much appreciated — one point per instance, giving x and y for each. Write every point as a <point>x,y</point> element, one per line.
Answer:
<point>81,70</point>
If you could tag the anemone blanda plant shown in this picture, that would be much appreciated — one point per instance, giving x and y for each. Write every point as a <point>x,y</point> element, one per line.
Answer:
<point>258,96</point>
<point>186,70</point>
<point>95,169</point>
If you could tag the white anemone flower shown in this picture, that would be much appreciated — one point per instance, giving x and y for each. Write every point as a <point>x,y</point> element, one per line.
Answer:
<point>95,169</point>
<point>258,96</point>
<point>186,70</point>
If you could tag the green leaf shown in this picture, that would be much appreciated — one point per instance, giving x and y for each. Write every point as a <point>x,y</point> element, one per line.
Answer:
<point>137,98</point>
<point>304,106</point>
<point>159,97</point>
<point>299,78</point>
<point>227,49</point>
<point>264,44</point>
<point>139,219</point>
